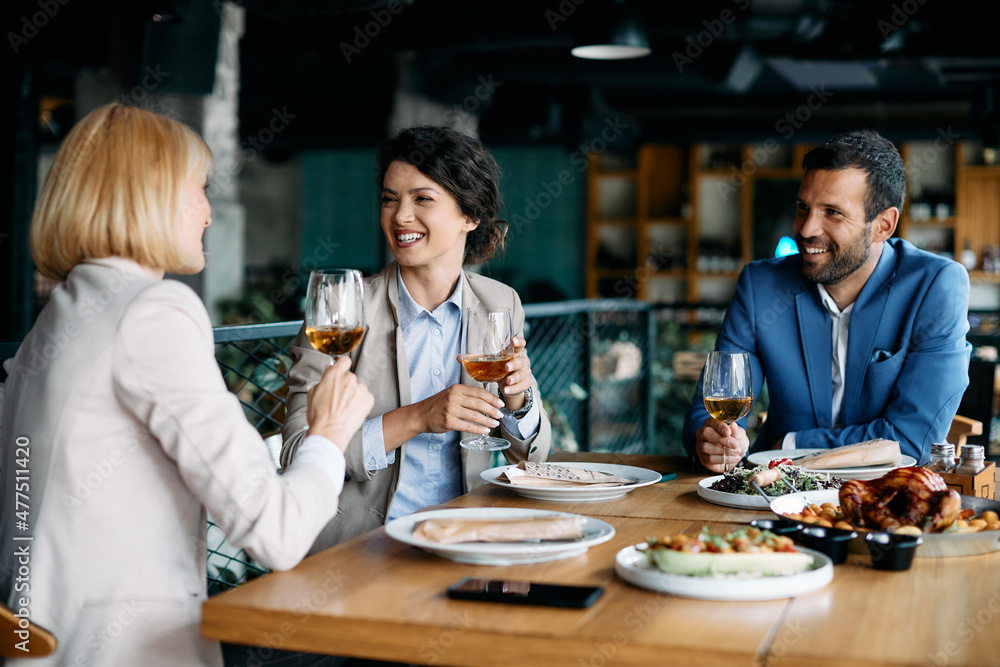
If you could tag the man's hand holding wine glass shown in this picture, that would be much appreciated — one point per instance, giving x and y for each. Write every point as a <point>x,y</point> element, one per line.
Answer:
<point>727,390</point>
<point>720,443</point>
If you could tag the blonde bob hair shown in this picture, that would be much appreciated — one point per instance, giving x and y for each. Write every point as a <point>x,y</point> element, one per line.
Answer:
<point>116,189</point>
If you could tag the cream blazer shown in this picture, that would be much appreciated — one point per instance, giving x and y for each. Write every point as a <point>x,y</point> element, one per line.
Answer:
<point>380,363</point>
<point>131,435</point>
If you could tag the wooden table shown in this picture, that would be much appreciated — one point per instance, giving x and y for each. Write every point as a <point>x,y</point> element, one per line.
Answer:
<point>373,597</point>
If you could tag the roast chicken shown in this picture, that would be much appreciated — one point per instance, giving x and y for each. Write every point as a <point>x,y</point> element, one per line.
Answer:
<point>904,497</point>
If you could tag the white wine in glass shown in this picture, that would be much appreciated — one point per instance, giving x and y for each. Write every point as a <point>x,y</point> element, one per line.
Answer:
<point>727,389</point>
<point>335,311</point>
<point>487,347</point>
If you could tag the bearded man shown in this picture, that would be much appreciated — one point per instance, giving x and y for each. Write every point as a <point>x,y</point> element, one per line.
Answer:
<point>858,336</point>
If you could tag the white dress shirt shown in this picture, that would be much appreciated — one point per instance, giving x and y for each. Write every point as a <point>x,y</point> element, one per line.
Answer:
<point>432,466</point>
<point>840,321</point>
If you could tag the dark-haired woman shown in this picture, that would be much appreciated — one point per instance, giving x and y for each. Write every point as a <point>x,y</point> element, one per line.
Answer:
<point>439,206</point>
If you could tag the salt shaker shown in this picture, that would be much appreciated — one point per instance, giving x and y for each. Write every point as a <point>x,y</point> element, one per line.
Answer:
<point>973,461</point>
<point>942,457</point>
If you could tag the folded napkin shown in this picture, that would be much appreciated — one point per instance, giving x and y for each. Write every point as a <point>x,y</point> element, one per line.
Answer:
<point>452,531</point>
<point>546,475</point>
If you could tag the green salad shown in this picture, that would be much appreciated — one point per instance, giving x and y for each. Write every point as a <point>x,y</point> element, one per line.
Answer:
<point>737,481</point>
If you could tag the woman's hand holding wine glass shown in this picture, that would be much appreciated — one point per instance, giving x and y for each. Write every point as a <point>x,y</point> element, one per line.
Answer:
<point>335,311</point>
<point>727,388</point>
<point>487,349</point>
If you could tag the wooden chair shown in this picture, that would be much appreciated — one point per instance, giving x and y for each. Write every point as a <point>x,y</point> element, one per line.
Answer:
<point>40,642</point>
<point>962,428</point>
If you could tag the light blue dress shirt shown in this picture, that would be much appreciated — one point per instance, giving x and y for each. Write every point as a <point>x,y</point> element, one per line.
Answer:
<point>432,466</point>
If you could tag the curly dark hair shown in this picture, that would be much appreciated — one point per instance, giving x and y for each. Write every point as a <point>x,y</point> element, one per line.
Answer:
<point>461,165</point>
<point>872,153</point>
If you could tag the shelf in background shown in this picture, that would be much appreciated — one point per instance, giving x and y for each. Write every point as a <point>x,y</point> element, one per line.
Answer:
<point>984,277</point>
<point>935,223</point>
<point>667,220</point>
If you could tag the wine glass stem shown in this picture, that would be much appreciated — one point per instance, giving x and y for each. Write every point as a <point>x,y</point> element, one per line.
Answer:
<point>482,438</point>
<point>725,455</point>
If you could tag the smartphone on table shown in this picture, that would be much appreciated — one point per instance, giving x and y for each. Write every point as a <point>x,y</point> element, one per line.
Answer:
<point>524,592</point>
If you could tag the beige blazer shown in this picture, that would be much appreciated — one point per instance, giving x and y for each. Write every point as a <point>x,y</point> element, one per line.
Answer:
<point>380,363</point>
<point>131,434</point>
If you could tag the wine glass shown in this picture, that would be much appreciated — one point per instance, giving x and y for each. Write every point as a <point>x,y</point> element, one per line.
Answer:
<point>487,347</point>
<point>727,389</point>
<point>335,311</point>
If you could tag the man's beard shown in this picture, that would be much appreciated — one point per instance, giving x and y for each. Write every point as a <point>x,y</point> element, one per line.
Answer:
<point>843,260</point>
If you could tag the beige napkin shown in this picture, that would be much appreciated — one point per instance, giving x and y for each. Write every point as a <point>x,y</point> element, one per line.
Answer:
<point>528,473</point>
<point>452,531</point>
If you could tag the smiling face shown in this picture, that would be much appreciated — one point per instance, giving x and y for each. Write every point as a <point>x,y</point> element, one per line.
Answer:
<point>422,222</point>
<point>833,238</point>
<point>196,216</point>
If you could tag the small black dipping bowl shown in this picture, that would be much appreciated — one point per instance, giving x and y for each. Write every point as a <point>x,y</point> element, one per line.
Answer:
<point>778,526</point>
<point>834,542</point>
<point>892,552</point>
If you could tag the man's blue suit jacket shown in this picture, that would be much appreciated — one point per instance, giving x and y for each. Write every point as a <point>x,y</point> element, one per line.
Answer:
<point>907,359</point>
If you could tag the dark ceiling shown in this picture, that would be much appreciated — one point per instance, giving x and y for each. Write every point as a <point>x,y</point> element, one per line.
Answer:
<point>719,69</point>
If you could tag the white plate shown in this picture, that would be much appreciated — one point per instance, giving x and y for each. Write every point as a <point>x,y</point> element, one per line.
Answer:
<point>632,566</point>
<point>862,473</point>
<point>936,545</point>
<point>499,553</point>
<point>754,502</point>
<point>642,477</point>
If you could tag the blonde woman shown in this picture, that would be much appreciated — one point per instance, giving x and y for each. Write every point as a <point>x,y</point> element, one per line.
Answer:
<point>116,410</point>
